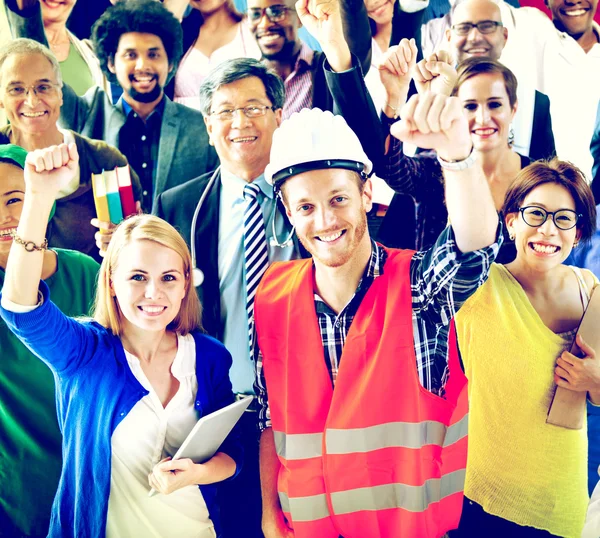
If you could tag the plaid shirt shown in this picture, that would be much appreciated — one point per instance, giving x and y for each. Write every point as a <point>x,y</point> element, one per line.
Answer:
<point>441,279</point>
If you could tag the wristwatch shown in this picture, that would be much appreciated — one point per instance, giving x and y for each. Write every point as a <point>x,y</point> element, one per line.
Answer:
<point>457,166</point>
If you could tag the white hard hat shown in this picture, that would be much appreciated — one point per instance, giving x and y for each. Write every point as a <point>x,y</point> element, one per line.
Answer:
<point>314,139</point>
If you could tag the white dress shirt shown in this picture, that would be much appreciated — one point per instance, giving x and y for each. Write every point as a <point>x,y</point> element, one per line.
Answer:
<point>146,435</point>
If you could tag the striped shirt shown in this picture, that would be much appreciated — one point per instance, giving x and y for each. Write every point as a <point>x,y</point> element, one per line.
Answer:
<point>299,83</point>
<point>441,278</point>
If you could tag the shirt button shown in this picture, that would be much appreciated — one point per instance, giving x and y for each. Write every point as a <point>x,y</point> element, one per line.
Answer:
<point>143,138</point>
<point>122,414</point>
<point>145,193</point>
<point>144,165</point>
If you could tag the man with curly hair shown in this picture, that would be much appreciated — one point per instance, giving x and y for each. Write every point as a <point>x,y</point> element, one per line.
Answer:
<point>139,45</point>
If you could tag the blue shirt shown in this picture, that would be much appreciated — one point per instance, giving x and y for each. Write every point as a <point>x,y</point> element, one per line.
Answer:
<point>232,275</point>
<point>95,390</point>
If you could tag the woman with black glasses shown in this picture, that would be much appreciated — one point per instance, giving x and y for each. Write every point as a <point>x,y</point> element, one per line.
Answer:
<point>526,477</point>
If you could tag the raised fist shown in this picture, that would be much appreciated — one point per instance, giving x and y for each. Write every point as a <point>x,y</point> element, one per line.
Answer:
<point>436,74</point>
<point>49,170</point>
<point>434,121</point>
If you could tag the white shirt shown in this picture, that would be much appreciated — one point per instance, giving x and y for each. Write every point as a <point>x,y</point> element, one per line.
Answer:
<point>146,435</point>
<point>557,66</point>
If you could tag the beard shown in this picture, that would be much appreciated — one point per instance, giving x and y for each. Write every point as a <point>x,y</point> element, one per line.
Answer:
<point>345,256</point>
<point>285,54</point>
<point>146,97</point>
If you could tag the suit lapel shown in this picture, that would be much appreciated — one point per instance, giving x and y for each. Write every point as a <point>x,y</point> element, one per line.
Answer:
<point>168,138</point>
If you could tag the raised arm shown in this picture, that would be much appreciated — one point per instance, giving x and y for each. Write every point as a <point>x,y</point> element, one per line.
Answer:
<point>344,75</point>
<point>47,171</point>
<point>437,122</point>
<point>418,176</point>
<point>25,19</point>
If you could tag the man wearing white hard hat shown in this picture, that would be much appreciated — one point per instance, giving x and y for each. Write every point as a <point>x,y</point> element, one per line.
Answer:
<point>361,432</point>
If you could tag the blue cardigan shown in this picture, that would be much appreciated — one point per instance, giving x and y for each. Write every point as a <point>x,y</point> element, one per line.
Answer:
<point>95,390</point>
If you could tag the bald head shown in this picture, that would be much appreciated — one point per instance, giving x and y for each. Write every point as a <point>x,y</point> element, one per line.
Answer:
<point>488,40</point>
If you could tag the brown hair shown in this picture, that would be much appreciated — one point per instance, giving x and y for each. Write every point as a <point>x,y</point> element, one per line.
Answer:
<point>474,66</point>
<point>562,173</point>
<point>150,228</point>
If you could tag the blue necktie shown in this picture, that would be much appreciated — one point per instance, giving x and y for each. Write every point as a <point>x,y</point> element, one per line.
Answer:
<point>256,254</point>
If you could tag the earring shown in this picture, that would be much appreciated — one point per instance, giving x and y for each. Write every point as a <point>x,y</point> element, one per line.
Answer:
<point>511,236</point>
<point>511,136</point>
<point>575,244</point>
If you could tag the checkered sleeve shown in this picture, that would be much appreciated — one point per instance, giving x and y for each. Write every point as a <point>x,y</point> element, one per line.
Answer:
<point>260,389</point>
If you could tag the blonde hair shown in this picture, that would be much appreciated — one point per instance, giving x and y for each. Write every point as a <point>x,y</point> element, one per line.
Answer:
<point>106,310</point>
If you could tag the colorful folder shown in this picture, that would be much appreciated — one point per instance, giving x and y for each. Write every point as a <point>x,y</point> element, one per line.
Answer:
<point>112,196</point>
<point>99,190</point>
<point>126,191</point>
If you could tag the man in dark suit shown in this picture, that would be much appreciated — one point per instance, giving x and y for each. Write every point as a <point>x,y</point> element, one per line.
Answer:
<point>139,45</point>
<point>532,124</point>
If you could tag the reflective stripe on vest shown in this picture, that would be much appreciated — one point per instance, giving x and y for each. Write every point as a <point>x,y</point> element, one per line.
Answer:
<point>388,496</point>
<point>393,434</point>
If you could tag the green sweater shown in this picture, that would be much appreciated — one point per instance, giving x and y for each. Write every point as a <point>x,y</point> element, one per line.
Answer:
<point>30,440</point>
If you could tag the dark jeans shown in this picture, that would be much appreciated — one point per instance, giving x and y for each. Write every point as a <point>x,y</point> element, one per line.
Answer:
<point>239,499</point>
<point>476,523</point>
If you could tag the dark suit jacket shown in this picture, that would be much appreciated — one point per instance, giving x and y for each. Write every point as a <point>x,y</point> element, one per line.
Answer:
<point>183,152</point>
<point>177,206</point>
<point>542,140</point>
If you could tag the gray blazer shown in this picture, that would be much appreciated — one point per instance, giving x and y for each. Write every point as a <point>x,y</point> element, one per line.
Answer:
<point>183,153</point>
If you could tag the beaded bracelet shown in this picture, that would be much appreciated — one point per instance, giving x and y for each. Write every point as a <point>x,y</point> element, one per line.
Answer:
<point>29,246</point>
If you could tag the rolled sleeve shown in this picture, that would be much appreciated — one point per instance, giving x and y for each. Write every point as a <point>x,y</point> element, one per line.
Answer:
<point>443,278</point>
<point>260,388</point>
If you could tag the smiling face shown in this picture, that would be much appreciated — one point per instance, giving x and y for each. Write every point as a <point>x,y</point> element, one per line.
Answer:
<point>329,213</point>
<point>12,192</point>
<point>546,246</point>
<point>381,11</point>
<point>56,11</point>
<point>30,113</point>
<point>574,17</point>
<point>276,40</point>
<point>149,285</point>
<point>475,43</point>
<point>243,144</point>
<point>141,66</point>
<point>487,107</point>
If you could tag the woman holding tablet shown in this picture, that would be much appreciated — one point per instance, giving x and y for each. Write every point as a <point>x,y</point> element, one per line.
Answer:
<point>131,383</point>
<point>526,477</point>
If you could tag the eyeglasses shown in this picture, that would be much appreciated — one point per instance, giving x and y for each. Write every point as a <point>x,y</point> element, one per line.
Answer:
<point>40,90</point>
<point>274,13</point>
<point>483,27</point>
<point>250,111</point>
<point>564,219</point>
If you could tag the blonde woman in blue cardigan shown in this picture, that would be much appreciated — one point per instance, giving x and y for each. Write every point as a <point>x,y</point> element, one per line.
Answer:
<point>130,384</point>
<point>525,477</point>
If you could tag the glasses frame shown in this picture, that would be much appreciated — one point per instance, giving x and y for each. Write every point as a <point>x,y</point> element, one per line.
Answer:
<point>31,87</point>
<point>244,109</point>
<point>496,25</point>
<point>266,11</point>
<point>549,213</point>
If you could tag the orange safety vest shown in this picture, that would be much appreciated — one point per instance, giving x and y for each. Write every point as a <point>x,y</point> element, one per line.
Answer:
<point>379,456</point>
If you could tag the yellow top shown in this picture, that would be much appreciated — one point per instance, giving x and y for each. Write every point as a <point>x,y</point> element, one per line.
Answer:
<point>519,468</point>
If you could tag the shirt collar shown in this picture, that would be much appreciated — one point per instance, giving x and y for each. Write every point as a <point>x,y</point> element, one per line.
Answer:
<point>158,109</point>
<point>305,58</point>
<point>235,185</point>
